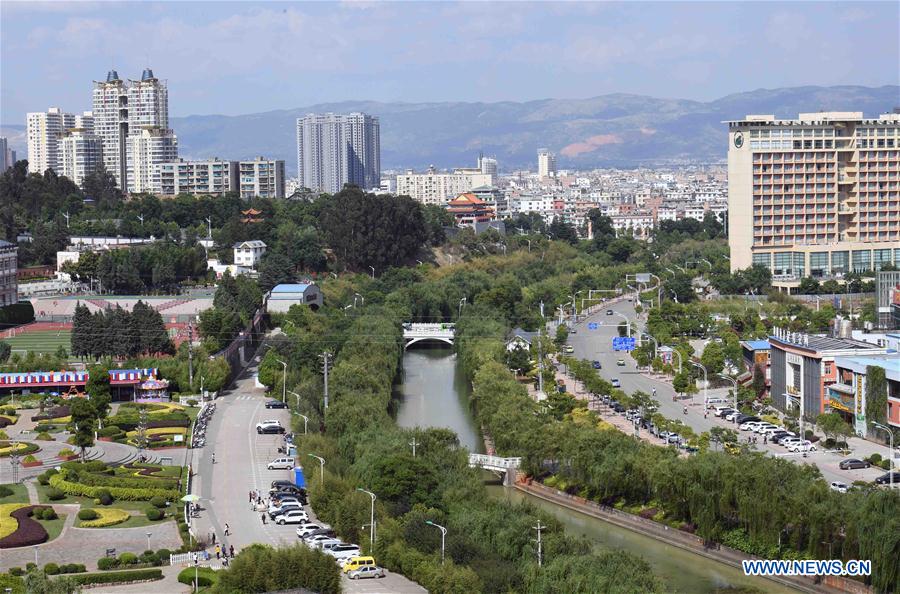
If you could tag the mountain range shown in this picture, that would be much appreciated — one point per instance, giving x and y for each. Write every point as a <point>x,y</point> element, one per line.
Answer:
<point>610,130</point>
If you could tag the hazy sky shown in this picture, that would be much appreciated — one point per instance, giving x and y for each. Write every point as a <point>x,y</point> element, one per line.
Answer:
<point>237,57</point>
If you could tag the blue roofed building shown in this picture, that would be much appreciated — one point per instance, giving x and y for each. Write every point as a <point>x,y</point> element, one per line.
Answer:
<point>282,297</point>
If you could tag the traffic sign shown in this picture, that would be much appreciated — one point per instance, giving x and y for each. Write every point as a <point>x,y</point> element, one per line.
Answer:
<point>592,325</point>
<point>623,343</point>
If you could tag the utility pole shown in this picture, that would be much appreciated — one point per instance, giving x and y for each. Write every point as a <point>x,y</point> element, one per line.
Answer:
<point>414,443</point>
<point>539,544</point>
<point>541,353</point>
<point>191,354</point>
<point>326,358</point>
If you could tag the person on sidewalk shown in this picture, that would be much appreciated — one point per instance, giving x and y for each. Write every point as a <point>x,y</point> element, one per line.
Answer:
<point>218,552</point>
<point>231,551</point>
<point>264,519</point>
<point>227,529</point>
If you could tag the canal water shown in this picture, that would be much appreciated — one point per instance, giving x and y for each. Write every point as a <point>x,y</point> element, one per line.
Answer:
<point>433,392</point>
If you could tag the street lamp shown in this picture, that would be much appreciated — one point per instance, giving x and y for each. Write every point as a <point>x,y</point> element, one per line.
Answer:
<point>655,343</point>
<point>149,534</point>
<point>675,352</point>
<point>283,381</point>
<point>705,383</point>
<point>443,536</point>
<point>321,468</point>
<point>734,383</point>
<point>304,417</point>
<point>890,452</point>
<point>373,271</point>
<point>372,519</point>
<point>459,309</point>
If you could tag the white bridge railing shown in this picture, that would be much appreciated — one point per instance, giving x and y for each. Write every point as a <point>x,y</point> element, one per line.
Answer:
<point>493,462</point>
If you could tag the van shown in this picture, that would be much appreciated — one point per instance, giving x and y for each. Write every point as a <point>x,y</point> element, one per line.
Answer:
<point>357,562</point>
<point>281,463</point>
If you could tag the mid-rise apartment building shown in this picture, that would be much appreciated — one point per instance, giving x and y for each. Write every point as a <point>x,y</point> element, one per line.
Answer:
<point>80,154</point>
<point>334,150</point>
<point>148,147</point>
<point>546,163</point>
<point>263,178</point>
<point>7,156</point>
<point>817,196</point>
<point>439,188</point>
<point>9,286</point>
<point>44,129</point>
<point>212,176</point>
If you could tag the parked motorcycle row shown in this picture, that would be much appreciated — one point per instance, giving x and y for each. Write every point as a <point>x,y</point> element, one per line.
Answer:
<point>199,438</point>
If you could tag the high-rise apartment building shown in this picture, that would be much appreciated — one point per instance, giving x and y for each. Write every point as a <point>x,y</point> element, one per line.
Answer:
<point>80,153</point>
<point>439,188</point>
<point>147,147</point>
<point>110,109</point>
<point>213,177</point>
<point>334,150</point>
<point>262,178</point>
<point>546,163</point>
<point>817,196</point>
<point>132,120</point>
<point>487,165</point>
<point>44,129</point>
<point>7,156</point>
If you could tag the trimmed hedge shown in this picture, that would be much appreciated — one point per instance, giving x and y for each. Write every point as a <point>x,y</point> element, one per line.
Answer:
<point>54,494</point>
<point>54,413</point>
<point>154,514</point>
<point>86,515</point>
<point>206,577</point>
<point>119,577</point>
<point>30,532</point>
<point>123,493</point>
<point>104,517</point>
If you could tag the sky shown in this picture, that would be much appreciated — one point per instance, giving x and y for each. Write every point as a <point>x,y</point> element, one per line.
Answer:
<point>245,57</point>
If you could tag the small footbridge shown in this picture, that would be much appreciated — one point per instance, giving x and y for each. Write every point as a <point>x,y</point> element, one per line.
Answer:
<point>413,333</point>
<point>506,467</point>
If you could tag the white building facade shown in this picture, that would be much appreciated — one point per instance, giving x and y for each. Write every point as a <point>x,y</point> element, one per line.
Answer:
<point>262,178</point>
<point>212,177</point>
<point>334,150</point>
<point>80,154</point>
<point>439,188</point>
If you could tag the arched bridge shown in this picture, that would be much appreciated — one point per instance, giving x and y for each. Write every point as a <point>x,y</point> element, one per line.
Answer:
<point>508,467</point>
<point>413,333</point>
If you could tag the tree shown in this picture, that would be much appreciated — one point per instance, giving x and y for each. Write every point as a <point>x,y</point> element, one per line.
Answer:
<point>5,351</point>
<point>759,381</point>
<point>38,582</point>
<point>808,286</point>
<point>713,358</point>
<point>679,289</point>
<point>682,382</point>
<point>83,415</point>
<point>100,185</point>
<point>562,334</point>
<point>834,426</point>
<point>276,268</point>
<point>261,568</point>
<point>82,327</point>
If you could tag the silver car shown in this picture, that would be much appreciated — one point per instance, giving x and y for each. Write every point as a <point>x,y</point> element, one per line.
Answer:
<point>369,571</point>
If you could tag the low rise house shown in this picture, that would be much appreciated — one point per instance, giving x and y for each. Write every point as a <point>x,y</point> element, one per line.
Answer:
<point>249,253</point>
<point>282,297</point>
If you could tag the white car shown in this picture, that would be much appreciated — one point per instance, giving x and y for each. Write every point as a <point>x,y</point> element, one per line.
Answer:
<point>839,486</point>
<point>749,426</point>
<point>314,541</point>
<point>278,509</point>
<point>268,423</point>
<point>764,428</point>
<point>294,516</point>
<point>343,551</point>
<point>308,528</point>
<point>790,441</point>
<point>284,463</point>
<point>802,446</point>
<point>771,430</point>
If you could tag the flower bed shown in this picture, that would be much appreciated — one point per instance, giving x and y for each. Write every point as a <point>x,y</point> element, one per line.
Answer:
<point>125,493</point>
<point>54,415</point>
<point>29,531</point>
<point>67,454</point>
<point>30,461</point>
<point>22,448</point>
<point>106,517</point>
<point>7,522</point>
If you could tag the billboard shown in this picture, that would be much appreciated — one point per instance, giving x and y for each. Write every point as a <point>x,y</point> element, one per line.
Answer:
<point>623,343</point>
<point>642,277</point>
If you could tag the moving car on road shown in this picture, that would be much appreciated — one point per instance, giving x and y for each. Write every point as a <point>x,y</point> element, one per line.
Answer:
<point>275,404</point>
<point>269,426</point>
<point>569,348</point>
<point>615,382</point>
<point>609,312</point>
<point>596,364</point>
<point>853,464</point>
<point>621,362</point>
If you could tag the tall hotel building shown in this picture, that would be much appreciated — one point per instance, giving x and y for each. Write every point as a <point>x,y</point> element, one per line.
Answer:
<point>333,150</point>
<point>817,196</point>
<point>110,107</point>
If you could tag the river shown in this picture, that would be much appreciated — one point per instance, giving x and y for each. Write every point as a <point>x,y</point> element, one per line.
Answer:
<point>433,392</point>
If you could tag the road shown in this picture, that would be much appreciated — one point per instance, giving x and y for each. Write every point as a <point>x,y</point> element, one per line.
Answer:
<point>597,345</point>
<point>241,458</point>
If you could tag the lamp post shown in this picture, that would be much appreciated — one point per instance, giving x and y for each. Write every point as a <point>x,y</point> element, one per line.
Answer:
<point>655,343</point>
<point>443,536</point>
<point>304,417</point>
<point>283,381</point>
<point>321,468</point>
<point>149,534</point>
<point>675,352</point>
<point>705,383</point>
<point>35,554</point>
<point>658,290</point>
<point>459,309</point>
<point>890,452</point>
<point>373,271</point>
<point>734,383</point>
<point>372,519</point>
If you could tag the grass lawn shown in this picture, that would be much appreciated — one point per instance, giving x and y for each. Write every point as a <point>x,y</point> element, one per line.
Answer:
<point>187,575</point>
<point>19,495</point>
<point>42,341</point>
<point>54,527</point>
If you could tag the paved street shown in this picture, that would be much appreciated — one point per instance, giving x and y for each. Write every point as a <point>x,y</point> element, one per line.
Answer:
<point>597,345</point>
<point>241,458</point>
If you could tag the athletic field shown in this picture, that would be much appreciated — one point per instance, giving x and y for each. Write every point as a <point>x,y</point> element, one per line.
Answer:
<point>41,341</point>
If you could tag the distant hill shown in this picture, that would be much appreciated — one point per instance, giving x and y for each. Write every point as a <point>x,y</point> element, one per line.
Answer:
<point>610,130</point>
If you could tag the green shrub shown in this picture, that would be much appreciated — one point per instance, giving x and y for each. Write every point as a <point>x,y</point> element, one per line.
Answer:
<point>54,494</point>
<point>127,559</point>
<point>118,577</point>
<point>44,436</point>
<point>163,555</point>
<point>105,563</point>
<point>874,458</point>
<point>29,459</point>
<point>45,513</point>
<point>88,514</point>
<point>17,571</point>
<point>885,464</point>
<point>206,577</point>
<point>43,479</point>
<point>10,582</point>
<point>154,514</point>
<point>159,502</point>
<point>104,496</point>
<point>51,569</point>
<point>109,431</point>
<point>5,491</point>
<point>125,494</point>
<point>192,402</point>
<point>29,566</point>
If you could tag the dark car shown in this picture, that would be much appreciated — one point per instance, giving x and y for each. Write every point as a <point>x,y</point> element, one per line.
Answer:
<point>299,494</point>
<point>275,404</point>
<point>618,407</point>
<point>596,364</point>
<point>282,483</point>
<point>885,479</point>
<point>853,463</point>
<point>609,312</point>
<point>742,418</point>
<point>270,429</point>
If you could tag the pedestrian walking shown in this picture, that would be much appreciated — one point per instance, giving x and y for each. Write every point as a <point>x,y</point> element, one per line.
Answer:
<point>231,551</point>
<point>227,530</point>
<point>264,519</point>
<point>251,496</point>
<point>705,414</point>
<point>218,551</point>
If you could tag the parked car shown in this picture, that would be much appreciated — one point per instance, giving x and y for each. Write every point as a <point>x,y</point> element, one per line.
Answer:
<point>343,551</point>
<point>282,463</point>
<point>326,541</point>
<point>853,463</point>
<point>715,401</point>
<point>673,438</point>
<point>725,412</point>
<point>763,428</point>
<point>720,408</point>
<point>275,404</point>
<point>348,565</point>
<point>618,408</point>
<point>749,425</point>
<point>569,348</point>
<point>293,516</point>
<point>308,529</point>
<point>885,479</point>
<point>742,418</point>
<point>609,312</point>
<point>839,487</point>
<point>620,362</point>
<point>367,571</point>
<point>802,446</point>
<point>276,510</point>
<point>789,441</point>
<point>283,484</point>
<point>616,383</point>
<point>596,365</point>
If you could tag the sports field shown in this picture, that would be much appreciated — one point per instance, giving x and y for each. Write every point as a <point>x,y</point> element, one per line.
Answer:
<point>41,341</point>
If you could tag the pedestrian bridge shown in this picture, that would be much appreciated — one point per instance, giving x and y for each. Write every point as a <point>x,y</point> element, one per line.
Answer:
<point>508,467</point>
<point>413,333</point>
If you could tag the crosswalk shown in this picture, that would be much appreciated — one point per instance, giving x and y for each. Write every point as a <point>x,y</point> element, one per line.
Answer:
<point>245,397</point>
